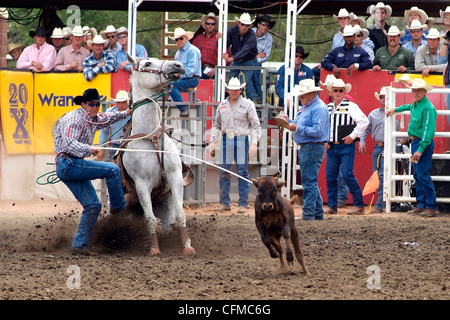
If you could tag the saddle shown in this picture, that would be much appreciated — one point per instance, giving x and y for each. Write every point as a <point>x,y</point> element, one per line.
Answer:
<point>163,190</point>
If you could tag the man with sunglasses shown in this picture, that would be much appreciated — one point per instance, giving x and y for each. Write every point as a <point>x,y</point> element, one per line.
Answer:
<point>73,136</point>
<point>416,32</point>
<point>205,39</point>
<point>122,62</point>
<point>113,46</point>
<point>39,56</point>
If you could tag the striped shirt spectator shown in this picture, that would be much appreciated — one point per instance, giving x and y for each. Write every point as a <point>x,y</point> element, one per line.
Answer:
<point>91,68</point>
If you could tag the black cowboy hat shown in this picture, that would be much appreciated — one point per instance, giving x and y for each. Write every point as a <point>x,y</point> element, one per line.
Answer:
<point>40,31</point>
<point>88,95</point>
<point>300,49</point>
<point>264,18</point>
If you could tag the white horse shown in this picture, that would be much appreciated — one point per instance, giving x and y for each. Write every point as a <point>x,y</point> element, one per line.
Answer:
<point>151,170</point>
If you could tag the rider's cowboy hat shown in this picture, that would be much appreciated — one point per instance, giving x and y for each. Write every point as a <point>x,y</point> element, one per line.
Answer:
<point>210,15</point>
<point>88,95</point>
<point>265,17</point>
<point>244,19</point>
<point>98,39</point>
<point>419,83</point>
<point>40,31</point>
<point>420,12</point>
<point>416,24</point>
<point>121,95</point>
<point>109,29</point>
<point>57,33</point>
<point>342,14</point>
<point>305,86</point>
<point>234,84</point>
<point>179,32</point>
<point>339,83</point>
<point>380,5</point>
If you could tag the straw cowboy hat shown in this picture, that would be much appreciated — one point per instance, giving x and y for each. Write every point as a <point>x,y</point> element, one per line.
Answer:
<point>98,39</point>
<point>361,21</point>
<point>339,83</point>
<point>210,15</point>
<point>88,95</point>
<point>447,10</point>
<point>77,31</point>
<point>121,96</point>
<point>305,86</point>
<point>15,46</point>
<point>40,31</point>
<point>416,24</point>
<point>419,83</point>
<point>109,29</point>
<point>265,17</point>
<point>234,84</point>
<point>91,30</point>
<point>57,33</point>
<point>394,31</point>
<point>381,5</point>
<point>342,14</point>
<point>244,19</point>
<point>121,30</point>
<point>364,31</point>
<point>66,31</point>
<point>179,32</point>
<point>433,34</point>
<point>420,12</point>
<point>382,93</point>
<point>348,31</point>
<point>329,79</point>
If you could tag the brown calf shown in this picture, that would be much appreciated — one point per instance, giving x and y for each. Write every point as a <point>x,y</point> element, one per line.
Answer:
<point>274,217</point>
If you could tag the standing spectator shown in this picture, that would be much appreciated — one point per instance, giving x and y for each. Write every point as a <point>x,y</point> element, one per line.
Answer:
<point>206,42</point>
<point>242,40</point>
<point>357,21</point>
<point>393,56</point>
<point>57,39</point>
<point>344,115</point>
<point>343,19</point>
<point>445,16</point>
<point>301,72</point>
<point>122,62</point>
<point>238,124</point>
<point>349,56</point>
<point>416,32</point>
<point>360,36</point>
<point>99,61</point>
<point>426,56</point>
<point>410,15</point>
<point>376,130</point>
<point>39,56</point>
<point>113,46</point>
<point>71,57</point>
<point>114,132</point>
<point>377,31</point>
<point>311,131</point>
<point>264,42</point>
<point>421,130</point>
<point>190,56</point>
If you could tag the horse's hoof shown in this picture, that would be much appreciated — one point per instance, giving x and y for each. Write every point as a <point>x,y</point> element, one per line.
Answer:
<point>154,252</point>
<point>188,251</point>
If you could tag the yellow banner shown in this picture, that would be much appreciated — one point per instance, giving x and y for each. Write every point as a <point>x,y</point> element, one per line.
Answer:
<point>434,80</point>
<point>53,97</point>
<point>16,103</point>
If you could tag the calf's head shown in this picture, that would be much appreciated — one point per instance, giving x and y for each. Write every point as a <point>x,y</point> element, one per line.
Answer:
<point>268,188</point>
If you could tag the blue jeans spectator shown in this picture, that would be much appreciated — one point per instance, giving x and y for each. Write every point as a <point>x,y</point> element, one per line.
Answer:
<point>77,175</point>
<point>378,165</point>
<point>234,149</point>
<point>342,154</point>
<point>180,86</point>
<point>248,75</point>
<point>310,157</point>
<point>342,190</point>
<point>256,79</point>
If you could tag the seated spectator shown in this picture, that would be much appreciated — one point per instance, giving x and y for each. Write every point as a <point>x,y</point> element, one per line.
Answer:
<point>72,56</point>
<point>99,61</point>
<point>349,56</point>
<point>57,39</point>
<point>410,15</point>
<point>377,31</point>
<point>301,72</point>
<point>357,21</point>
<point>113,46</point>
<point>360,36</point>
<point>393,56</point>
<point>426,57</point>
<point>121,56</point>
<point>416,32</point>
<point>39,56</point>
<point>14,51</point>
<point>343,19</point>
<point>443,57</point>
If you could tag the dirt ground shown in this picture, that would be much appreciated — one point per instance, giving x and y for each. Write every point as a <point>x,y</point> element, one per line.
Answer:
<point>374,257</point>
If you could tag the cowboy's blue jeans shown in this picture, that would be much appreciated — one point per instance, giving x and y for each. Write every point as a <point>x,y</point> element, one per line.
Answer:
<point>180,86</point>
<point>256,80</point>
<point>235,149</point>
<point>249,88</point>
<point>425,193</point>
<point>77,175</point>
<point>378,165</point>
<point>342,155</point>
<point>310,157</point>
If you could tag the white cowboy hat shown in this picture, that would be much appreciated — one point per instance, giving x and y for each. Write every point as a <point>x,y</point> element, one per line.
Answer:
<point>416,24</point>
<point>77,31</point>
<point>57,33</point>
<point>210,15</point>
<point>122,30</point>
<point>348,31</point>
<point>381,5</point>
<point>364,31</point>
<point>394,31</point>
<point>121,95</point>
<point>98,39</point>
<point>305,86</point>
<point>66,31</point>
<point>422,14</point>
<point>91,30</point>
<point>447,10</point>
<point>339,83</point>
<point>109,29</point>
<point>361,21</point>
<point>419,83</point>
<point>244,19</point>
<point>180,32</point>
<point>329,79</point>
<point>382,93</point>
<point>433,34</point>
<point>234,84</point>
<point>342,14</point>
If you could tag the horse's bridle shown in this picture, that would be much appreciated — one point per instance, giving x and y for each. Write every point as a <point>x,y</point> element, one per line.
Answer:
<point>157,71</point>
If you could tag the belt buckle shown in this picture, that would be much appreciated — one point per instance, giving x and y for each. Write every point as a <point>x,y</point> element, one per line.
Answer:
<point>230,135</point>
<point>336,142</point>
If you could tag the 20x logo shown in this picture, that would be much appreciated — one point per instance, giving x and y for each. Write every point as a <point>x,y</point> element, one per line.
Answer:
<point>18,99</point>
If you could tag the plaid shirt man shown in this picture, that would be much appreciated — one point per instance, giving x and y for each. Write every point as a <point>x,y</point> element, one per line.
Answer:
<point>90,69</point>
<point>208,48</point>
